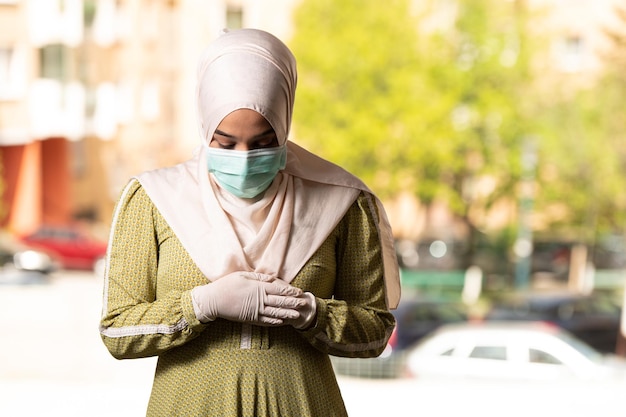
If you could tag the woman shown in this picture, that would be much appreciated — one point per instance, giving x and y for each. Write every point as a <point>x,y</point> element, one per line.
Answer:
<point>246,266</point>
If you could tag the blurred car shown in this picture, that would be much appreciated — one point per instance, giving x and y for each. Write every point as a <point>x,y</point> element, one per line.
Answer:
<point>554,257</point>
<point>551,258</point>
<point>72,248</point>
<point>20,264</point>
<point>594,319</point>
<point>509,351</point>
<point>416,317</point>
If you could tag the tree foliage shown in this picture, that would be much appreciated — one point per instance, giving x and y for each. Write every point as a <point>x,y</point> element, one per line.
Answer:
<point>443,99</point>
<point>408,106</point>
<point>358,86</point>
<point>584,154</point>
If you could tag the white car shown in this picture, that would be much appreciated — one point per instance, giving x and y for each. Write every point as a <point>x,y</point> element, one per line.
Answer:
<point>509,350</point>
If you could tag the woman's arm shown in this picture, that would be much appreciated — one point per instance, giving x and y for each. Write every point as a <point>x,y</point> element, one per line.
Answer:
<point>135,323</point>
<point>355,322</point>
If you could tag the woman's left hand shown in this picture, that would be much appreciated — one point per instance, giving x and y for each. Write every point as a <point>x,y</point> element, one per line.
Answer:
<point>307,311</point>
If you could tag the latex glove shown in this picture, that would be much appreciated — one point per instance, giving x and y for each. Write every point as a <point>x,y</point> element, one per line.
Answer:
<point>247,297</point>
<point>307,312</point>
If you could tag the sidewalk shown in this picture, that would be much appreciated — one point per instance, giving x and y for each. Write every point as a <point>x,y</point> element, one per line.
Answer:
<point>52,362</point>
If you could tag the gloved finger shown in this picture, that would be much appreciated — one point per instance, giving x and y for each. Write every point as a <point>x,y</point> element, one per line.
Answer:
<point>280,287</point>
<point>269,321</point>
<point>258,276</point>
<point>279,313</point>
<point>271,300</point>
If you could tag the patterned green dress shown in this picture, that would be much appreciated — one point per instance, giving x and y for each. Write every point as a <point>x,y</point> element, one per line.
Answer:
<point>224,368</point>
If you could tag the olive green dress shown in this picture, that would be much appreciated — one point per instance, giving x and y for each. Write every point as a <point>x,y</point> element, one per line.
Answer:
<point>225,368</point>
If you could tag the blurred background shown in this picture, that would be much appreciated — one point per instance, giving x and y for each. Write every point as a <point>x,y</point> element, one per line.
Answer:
<point>493,130</point>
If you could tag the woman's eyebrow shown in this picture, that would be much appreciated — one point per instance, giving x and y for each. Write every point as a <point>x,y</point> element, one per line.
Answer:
<point>219,132</point>
<point>260,135</point>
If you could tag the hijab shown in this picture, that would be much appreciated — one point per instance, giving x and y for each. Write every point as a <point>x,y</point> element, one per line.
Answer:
<point>277,232</point>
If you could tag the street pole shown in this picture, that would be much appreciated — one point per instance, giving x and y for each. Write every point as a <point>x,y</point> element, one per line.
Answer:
<point>523,248</point>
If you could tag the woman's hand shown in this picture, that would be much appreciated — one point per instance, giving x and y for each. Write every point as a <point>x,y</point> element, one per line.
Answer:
<point>307,313</point>
<point>248,297</point>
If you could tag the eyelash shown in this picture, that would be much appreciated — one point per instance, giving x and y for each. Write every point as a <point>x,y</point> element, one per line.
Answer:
<point>269,144</point>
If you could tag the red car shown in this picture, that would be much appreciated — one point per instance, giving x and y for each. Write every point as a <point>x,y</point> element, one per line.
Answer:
<point>72,248</point>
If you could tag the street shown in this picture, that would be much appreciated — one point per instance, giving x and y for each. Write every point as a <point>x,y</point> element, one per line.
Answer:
<point>52,363</point>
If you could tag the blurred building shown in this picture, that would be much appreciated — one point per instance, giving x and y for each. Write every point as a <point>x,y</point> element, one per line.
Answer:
<point>94,91</point>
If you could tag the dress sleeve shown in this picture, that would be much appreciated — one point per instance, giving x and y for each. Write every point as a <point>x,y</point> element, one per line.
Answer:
<point>355,321</point>
<point>135,322</point>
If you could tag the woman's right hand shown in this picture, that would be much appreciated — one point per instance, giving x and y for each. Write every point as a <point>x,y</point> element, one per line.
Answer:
<point>247,297</point>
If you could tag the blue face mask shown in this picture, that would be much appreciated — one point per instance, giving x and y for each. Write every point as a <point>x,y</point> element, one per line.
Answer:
<point>246,174</point>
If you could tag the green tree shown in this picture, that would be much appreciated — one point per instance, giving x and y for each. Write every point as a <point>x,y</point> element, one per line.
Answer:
<point>481,68</point>
<point>359,85</point>
<point>413,100</point>
<point>583,174</point>
<point>583,166</point>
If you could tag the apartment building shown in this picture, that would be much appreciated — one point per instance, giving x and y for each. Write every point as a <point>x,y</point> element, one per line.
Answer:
<point>94,91</point>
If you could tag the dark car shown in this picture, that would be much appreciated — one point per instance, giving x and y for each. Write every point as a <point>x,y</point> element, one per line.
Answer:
<point>594,319</point>
<point>416,317</point>
<point>71,247</point>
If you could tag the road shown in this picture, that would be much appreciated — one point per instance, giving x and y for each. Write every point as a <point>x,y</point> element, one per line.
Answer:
<point>52,363</point>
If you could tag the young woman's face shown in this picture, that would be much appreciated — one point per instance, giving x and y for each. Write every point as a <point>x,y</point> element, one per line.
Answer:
<point>244,130</point>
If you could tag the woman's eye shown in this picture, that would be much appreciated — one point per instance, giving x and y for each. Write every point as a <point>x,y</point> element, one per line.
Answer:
<point>267,143</point>
<point>222,145</point>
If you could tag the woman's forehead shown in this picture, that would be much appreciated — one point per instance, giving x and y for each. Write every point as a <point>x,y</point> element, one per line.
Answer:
<point>244,119</point>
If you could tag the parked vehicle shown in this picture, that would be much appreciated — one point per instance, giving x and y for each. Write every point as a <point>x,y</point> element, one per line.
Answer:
<point>416,317</point>
<point>509,351</point>
<point>20,264</point>
<point>594,319</point>
<point>554,256</point>
<point>71,247</point>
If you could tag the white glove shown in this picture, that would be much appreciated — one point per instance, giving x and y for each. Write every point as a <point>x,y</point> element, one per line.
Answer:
<point>308,312</point>
<point>247,297</point>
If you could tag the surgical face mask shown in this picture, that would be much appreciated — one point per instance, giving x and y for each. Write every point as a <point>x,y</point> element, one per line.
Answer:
<point>246,174</point>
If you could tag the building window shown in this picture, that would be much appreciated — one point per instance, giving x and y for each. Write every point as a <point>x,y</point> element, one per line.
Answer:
<point>6,58</point>
<point>234,17</point>
<point>572,51</point>
<point>89,12</point>
<point>12,72</point>
<point>51,22</point>
<point>54,62</point>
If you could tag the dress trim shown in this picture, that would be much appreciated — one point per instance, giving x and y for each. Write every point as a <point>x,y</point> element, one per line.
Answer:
<point>246,336</point>
<point>144,329</point>
<point>107,259</point>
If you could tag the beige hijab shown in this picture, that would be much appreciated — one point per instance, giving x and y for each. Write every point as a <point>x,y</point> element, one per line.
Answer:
<point>279,231</point>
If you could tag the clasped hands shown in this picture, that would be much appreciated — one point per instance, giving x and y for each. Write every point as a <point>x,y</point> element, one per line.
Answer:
<point>251,297</point>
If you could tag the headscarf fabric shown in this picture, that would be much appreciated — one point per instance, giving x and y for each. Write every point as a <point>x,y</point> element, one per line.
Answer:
<point>246,69</point>
<point>277,232</point>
